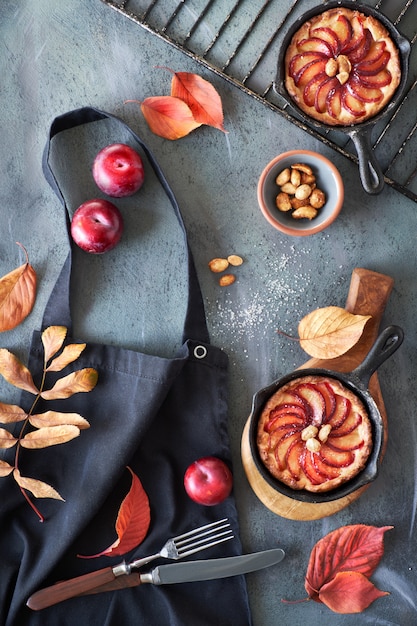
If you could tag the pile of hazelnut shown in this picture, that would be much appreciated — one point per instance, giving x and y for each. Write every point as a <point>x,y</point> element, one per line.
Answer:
<point>299,192</point>
<point>219,265</point>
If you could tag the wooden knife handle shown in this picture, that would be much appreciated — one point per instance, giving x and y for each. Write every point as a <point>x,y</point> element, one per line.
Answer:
<point>69,588</point>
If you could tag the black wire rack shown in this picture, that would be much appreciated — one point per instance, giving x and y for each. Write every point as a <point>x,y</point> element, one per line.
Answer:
<point>239,40</point>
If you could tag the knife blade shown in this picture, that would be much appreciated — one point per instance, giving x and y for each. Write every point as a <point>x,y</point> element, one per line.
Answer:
<point>190,571</point>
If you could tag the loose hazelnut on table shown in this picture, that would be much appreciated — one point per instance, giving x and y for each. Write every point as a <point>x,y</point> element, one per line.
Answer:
<point>218,265</point>
<point>235,260</point>
<point>226,280</point>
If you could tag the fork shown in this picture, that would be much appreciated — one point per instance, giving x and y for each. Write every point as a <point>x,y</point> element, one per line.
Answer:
<point>175,548</point>
<point>188,543</point>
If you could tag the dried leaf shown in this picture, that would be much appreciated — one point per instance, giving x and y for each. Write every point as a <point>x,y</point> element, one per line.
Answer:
<point>52,338</point>
<point>330,332</point>
<point>168,117</point>
<point>201,97</point>
<point>6,439</point>
<point>69,354</point>
<point>356,548</point>
<point>17,295</point>
<point>350,592</point>
<point>132,522</point>
<point>49,436</point>
<point>17,374</point>
<point>80,381</point>
<point>5,469</point>
<point>38,488</point>
<point>11,413</point>
<point>55,418</point>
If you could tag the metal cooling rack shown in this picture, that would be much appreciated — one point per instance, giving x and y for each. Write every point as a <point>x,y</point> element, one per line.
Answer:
<point>239,40</point>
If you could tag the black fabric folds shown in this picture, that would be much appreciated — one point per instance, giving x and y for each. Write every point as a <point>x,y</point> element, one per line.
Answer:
<point>153,414</point>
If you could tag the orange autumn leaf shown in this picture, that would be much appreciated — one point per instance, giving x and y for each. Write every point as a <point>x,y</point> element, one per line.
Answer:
<point>5,468</point>
<point>49,436</point>
<point>15,373</point>
<point>201,97</point>
<point>168,117</point>
<point>11,413</point>
<point>81,381</point>
<point>38,488</point>
<point>331,331</point>
<point>56,418</point>
<point>132,522</point>
<point>17,295</point>
<point>69,354</point>
<point>6,439</point>
<point>52,339</point>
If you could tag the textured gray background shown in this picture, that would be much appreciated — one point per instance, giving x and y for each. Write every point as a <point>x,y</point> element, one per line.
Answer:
<point>57,56</point>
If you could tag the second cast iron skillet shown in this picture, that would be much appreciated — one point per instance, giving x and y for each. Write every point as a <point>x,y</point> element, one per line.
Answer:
<point>370,171</point>
<point>357,381</point>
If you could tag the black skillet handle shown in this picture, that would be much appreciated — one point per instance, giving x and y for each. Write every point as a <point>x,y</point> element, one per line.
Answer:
<point>370,171</point>
<point>386,344</point>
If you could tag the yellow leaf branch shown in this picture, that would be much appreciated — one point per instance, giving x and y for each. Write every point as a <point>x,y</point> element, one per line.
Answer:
<point>51,427</point>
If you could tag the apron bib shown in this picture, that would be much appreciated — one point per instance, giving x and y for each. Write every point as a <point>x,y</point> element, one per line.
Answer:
<point>151,413</point>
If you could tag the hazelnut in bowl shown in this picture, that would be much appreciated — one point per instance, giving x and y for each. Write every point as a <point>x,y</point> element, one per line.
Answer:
<point>300,192</point>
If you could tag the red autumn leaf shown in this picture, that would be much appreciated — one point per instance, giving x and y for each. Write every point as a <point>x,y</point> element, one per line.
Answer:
<point>340,565</point>
<point>355,548</point>
<point>132,522</point>
<point>201,97</point>
<point>349,592</point>
<point>168,117</point>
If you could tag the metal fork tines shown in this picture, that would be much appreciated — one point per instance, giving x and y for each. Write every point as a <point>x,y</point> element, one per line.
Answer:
<point>191,542</point>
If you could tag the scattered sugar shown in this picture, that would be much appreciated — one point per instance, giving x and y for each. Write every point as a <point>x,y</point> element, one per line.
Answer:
<point>246,318</point>
<point>243,317</point>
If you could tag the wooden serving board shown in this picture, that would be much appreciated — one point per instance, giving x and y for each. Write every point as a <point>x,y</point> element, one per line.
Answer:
<point>368,295</point>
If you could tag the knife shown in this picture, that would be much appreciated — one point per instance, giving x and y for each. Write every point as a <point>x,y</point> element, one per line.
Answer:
<point>190,571</point>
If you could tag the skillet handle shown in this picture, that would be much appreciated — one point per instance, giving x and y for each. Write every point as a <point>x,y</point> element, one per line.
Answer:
<point>370,171</point>
<point>386,344</point>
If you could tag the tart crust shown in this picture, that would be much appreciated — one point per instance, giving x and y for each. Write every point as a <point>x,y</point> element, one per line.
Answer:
<point>309,408</point>
<point>358,94</point>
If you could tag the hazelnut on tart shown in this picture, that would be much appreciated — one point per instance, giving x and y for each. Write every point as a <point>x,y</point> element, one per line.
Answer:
<point>342,67</point>
<point>314,434</point>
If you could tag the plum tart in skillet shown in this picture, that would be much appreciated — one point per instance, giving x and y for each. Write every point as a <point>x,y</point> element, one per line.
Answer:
<point>342,67</point>
<point>314,434</point>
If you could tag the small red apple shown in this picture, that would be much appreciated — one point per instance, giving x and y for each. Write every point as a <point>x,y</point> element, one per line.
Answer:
<point>118,170</point>
<point>97,226</point>
<point>208,481</point>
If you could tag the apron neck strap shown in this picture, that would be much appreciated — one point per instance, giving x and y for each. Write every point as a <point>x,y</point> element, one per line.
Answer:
<point>58,308</point>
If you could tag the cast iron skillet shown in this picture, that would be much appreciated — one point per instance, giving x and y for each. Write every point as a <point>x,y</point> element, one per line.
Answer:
<point>369,169</point>
<point>357,381</point>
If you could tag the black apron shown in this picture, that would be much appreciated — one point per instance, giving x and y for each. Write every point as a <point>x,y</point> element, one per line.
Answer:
<point>150,413</point>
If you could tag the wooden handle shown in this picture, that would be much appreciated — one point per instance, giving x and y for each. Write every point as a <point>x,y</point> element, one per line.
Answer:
<point>368,295</point>
<point>69,588</point>
<point>120,582</point>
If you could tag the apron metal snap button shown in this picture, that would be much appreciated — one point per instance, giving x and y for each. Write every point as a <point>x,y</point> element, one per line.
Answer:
<point>200,352</point>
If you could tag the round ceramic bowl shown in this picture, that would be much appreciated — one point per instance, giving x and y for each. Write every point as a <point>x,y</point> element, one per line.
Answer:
<point>328,179</point>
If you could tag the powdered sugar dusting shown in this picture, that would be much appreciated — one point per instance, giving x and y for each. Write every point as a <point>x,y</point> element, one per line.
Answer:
<point>255,309</point>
